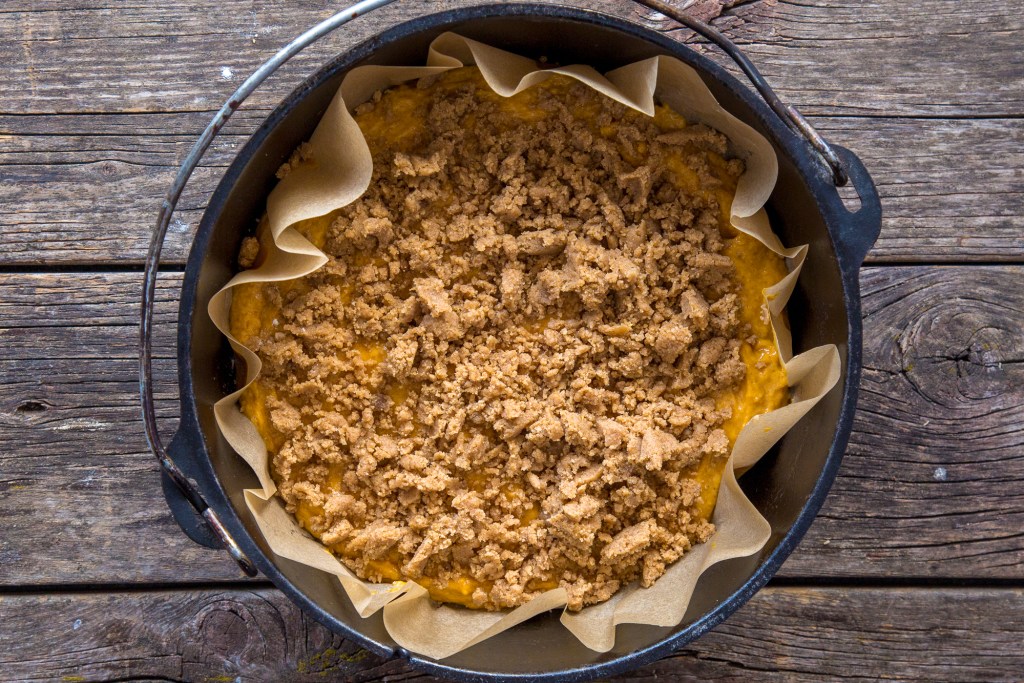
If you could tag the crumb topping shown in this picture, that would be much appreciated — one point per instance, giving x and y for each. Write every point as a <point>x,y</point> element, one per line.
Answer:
<point>508,376</point>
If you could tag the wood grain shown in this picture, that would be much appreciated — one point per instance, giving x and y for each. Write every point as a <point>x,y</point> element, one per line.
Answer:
<point>932,486</point>
<point>87,153</point>
<point>100,102</point>
<point>951,190</point>
<point>931,57</point>
<point>885,57</point>
<point>782,634</point>
<point>932,481</point>
<point>72,449</point>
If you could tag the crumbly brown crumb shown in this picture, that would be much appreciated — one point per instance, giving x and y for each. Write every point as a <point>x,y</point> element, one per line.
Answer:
<point>507,370</point>
<point>302,154</point>
<point>248,252</point>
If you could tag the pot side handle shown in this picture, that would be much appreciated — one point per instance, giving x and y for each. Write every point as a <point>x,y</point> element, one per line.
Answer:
<point>188,518</point>
<point>858,229</point>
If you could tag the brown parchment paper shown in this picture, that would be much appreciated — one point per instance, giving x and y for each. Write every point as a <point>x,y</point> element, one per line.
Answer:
<point>341,172</point>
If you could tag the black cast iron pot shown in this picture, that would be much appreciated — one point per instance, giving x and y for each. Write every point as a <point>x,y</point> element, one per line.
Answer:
<point>788,486</point>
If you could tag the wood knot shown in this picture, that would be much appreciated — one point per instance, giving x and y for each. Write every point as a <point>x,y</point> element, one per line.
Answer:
<point>109,169</point>
<point>31,407</point>
<point>950,369</point>
<point>237,627</point>
<point>964,348</point>
<point>705,10</point>
<point>269,634</point>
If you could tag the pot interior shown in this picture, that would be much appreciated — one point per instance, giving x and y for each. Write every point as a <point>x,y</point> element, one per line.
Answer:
<point>780,485</point>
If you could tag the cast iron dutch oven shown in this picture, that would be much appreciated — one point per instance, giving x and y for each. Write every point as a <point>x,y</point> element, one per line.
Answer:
<point>204,478</point>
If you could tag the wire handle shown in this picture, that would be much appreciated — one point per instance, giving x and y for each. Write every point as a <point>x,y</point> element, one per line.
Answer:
<point>188,488</point>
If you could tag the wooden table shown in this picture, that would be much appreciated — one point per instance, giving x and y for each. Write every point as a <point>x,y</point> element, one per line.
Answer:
<point>915,568</point>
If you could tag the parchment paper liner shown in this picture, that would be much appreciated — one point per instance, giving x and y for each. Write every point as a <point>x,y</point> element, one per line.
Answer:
<point>341,173</point>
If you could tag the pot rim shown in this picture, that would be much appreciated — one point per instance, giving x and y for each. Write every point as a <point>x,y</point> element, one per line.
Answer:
<point>811,173</point>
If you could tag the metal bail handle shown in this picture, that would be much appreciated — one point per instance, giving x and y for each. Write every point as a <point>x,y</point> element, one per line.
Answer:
<point>188,489</point>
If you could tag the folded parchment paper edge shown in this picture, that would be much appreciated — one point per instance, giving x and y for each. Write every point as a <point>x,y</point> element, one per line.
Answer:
<point>340,175</point>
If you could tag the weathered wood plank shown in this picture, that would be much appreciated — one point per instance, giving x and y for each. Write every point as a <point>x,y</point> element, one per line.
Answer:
<point>60,173</point>
<point>931,57</point>
<point>951,190</point>
<point>782,634</point>
<point>85,189</point>
<point>932,485</point>
<point>100,102</point>
<point>880,57</point>
<point>72,448</point>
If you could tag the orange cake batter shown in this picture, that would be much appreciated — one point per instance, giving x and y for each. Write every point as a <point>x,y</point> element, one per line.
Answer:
<point>266,316</point>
